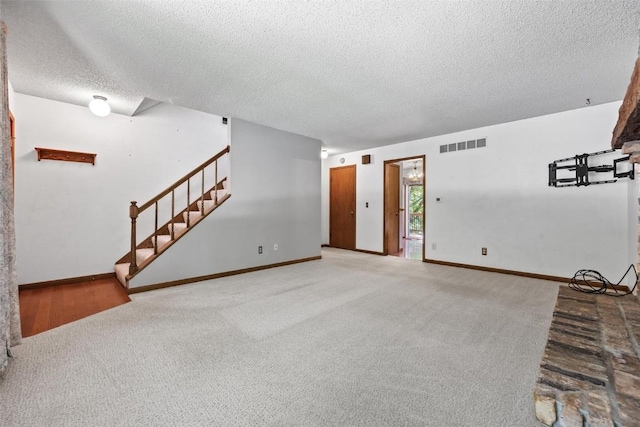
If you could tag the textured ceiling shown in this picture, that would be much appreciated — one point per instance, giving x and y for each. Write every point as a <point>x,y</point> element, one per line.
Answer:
<point>355,74</point>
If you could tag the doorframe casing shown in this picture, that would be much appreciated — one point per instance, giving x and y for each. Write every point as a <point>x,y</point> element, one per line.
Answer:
<point>424,199</point>
<point>12,130</point>
<point>355,196</point>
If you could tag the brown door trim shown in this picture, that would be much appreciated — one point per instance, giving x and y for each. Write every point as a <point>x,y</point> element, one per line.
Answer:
<point>12,129</point>
<point>391,244</point>
<point>424,200</point>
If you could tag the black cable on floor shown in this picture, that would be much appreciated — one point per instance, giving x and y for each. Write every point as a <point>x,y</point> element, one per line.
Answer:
<point>592,282</point>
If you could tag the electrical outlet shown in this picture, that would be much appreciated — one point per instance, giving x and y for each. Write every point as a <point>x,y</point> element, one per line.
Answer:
<point>259,250</point>
<point>275,246</point>
<point>433,246</point>
<point>484,251</point>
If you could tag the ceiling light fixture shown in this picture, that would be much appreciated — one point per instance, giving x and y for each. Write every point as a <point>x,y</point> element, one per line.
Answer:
<point>415,175</point>
<point>324,154</point>
<point>99,106</point>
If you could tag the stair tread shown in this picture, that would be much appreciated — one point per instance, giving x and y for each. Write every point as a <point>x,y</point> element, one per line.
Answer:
<point>208,205</point>
<point>193,215</point>
<point>162,239</point>
<point>143,254</point>
<point>178,225</point>
<point>122,270</point>
<point>221,193</point>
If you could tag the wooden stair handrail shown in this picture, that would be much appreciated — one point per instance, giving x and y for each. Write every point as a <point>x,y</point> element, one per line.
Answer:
<point>135,210</point>
<point>184,179</point>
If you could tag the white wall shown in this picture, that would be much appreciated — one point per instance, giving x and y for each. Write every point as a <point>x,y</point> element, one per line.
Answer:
<point>12,94</point>
<point>72,218</point>
<point>497,197</point>
<point>275,181</point>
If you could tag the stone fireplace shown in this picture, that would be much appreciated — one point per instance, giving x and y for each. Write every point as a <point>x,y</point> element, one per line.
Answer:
<point>590,371</point>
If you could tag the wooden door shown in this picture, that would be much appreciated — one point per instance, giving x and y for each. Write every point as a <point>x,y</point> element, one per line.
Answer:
<point>391,208</point>
<point>342,207</point>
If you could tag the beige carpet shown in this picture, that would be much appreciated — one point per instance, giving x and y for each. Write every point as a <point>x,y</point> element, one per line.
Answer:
<point>353,339</point>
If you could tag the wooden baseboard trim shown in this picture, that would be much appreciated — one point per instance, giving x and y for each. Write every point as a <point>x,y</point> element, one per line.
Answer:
<point>364,251</point>
<point>564,280</point>
<point>217,275</point>
<point>71,280</point>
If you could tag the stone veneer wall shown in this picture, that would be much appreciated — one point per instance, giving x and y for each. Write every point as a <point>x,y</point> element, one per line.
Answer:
<point>590,371</point>
<point>10,333</point>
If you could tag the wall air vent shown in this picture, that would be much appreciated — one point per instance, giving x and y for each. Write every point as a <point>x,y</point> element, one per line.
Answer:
<point>463,145</point>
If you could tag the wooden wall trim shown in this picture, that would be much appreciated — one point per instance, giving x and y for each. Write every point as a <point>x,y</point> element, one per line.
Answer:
<point>364,251</point>
<point>70,280</point>
<point>565,280</point>
<point>217,275</point>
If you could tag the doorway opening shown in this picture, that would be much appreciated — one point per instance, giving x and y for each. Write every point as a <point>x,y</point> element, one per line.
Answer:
<point>404,200</point>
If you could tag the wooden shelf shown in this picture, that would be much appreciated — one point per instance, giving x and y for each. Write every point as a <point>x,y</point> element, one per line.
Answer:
<point>66,156</point>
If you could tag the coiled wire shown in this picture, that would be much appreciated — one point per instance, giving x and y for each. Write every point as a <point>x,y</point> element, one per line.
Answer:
<point>592,282</point>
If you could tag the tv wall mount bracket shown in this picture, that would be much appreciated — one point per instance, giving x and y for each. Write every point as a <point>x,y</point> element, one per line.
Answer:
<point>581,165</point>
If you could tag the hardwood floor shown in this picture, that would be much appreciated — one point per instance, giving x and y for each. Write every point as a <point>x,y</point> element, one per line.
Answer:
<point>410,248</point>
<point>47,308</point>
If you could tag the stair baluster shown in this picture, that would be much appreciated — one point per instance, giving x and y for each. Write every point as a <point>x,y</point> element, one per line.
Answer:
<point>215,197</point>
<point>173,213</point>
<point>188,201</point>
<point>202,196</point>
<point>155,233</point>
<point>133,214</point>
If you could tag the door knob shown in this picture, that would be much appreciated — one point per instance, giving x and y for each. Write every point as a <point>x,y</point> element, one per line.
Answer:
<point>351,212</point>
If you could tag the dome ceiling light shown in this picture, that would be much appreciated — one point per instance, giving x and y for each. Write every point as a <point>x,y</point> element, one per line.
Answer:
<point>99,106</point>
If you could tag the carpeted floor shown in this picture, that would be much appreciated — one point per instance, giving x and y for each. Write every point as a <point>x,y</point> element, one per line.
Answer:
<point>353,339</point>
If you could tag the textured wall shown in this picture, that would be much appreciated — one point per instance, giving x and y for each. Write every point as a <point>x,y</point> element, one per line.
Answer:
<point>9,308</point>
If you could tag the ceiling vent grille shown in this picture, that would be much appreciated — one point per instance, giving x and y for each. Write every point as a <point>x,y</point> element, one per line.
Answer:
<point>463,145</point>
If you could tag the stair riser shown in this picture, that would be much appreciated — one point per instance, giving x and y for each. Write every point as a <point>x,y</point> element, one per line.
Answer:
<point>162,240</point>
<point>180,228</point>
<point>208,205</point>
<point>142,255</point>
<point>194,216</point>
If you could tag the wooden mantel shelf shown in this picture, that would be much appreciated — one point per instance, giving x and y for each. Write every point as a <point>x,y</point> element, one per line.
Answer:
<point>628,127</point>
<point>67,156</point>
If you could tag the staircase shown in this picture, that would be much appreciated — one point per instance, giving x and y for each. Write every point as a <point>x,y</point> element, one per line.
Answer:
<point>197,207</point>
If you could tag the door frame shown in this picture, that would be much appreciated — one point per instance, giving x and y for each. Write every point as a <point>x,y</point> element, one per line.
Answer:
<point>12,130</point>
<point>355,203</point>
<point>424,199</point>
<point>386,242</point>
